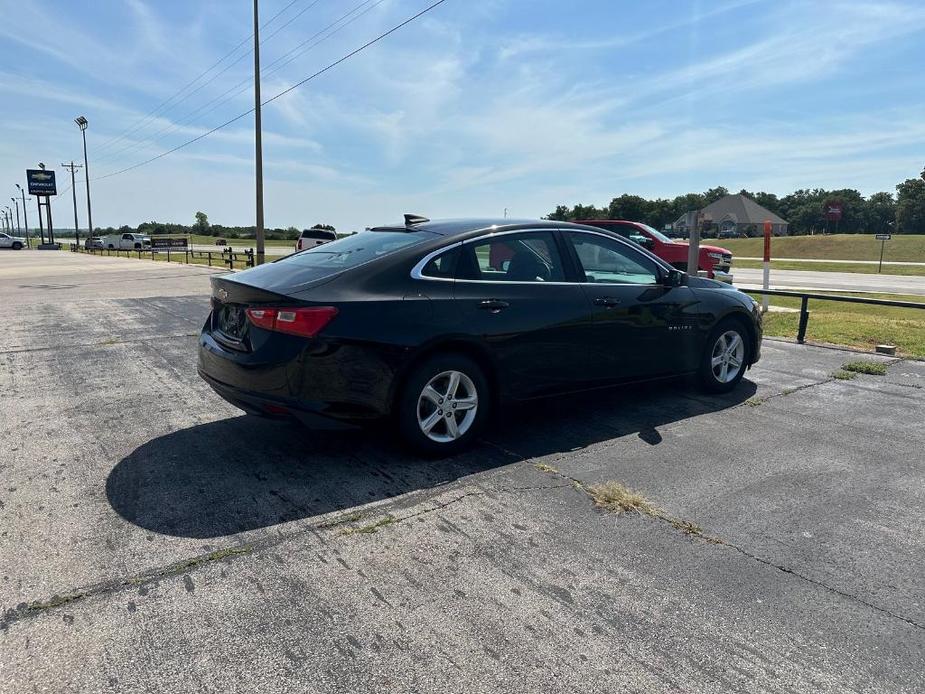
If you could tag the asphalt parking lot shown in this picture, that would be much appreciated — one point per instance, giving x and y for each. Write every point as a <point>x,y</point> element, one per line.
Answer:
<point>152,538</point>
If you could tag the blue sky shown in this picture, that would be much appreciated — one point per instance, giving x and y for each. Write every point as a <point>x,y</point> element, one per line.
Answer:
<point>481,105</point>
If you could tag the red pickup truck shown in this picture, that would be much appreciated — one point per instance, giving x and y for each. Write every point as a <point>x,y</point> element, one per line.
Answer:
<point>714,260</point>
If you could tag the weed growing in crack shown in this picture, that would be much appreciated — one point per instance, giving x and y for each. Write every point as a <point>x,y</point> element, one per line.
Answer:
<point>372,527</point>
<point>864,366</point>
<point>613,496</point>
<point>842,375</point>
<point>543,467</point>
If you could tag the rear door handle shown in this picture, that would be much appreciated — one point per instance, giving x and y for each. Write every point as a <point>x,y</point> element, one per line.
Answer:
<point>607,301</point>
<point>493,305</point>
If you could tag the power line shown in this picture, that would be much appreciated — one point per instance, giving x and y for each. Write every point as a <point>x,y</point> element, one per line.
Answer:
<point>243,85</point>
<point>280,94</point>
<point>159,109</point>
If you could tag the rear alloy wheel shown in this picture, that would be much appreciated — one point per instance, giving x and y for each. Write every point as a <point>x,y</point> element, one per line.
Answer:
<point>725,357</point>
<point>17,246</point>
<point>444,405</point>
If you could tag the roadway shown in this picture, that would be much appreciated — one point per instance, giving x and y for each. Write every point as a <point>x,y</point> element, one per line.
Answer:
<point>747,278</point>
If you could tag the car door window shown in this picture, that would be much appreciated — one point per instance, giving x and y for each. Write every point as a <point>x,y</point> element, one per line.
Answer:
<point>607,261</point>
<point>527,257</point>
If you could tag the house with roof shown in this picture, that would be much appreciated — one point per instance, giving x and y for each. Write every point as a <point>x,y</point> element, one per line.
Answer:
<point>733,213</point>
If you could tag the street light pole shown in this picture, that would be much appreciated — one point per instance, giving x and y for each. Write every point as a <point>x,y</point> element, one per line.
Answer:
<point>16,203</point>
<point>25,217</point>
<point>258,139</point>
<point>82,123</point>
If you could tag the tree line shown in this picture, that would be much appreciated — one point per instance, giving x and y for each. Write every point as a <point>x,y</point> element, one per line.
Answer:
<point>203,227</point>
<point>804,209</point>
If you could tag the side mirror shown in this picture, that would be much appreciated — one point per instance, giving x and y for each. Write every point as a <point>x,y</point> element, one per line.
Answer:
<point>674,278</point>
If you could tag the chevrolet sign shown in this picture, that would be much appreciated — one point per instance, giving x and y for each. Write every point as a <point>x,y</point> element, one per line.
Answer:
<point>41,182</point>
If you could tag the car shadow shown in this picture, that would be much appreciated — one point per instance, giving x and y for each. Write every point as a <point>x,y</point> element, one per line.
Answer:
<point>245,473</point>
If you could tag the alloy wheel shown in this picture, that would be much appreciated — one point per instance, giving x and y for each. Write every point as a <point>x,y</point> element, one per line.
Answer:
<point>447,406</point>
<point>728,356</point>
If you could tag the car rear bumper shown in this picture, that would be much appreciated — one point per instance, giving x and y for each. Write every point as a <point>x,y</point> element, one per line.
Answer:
<point>328,380</point>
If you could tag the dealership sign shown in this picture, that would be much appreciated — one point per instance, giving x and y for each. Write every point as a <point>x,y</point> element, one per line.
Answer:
<point>41,182</point>
<point>834,211</point>
<point>180,242</point>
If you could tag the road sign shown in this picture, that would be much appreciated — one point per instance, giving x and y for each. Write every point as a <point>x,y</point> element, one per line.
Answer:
<point>41,182</point>
<point>884,237</point>
<point>834,210</point>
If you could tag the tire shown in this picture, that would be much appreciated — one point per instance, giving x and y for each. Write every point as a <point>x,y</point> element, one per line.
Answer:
<point>17,246</point>
<point>722,348</point>
<point>415,410</point>
<point>137,246</point>
<point>111,247</point>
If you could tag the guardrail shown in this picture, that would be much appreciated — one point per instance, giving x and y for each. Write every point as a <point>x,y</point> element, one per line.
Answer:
<point>227,256</point>
<point>806,296</point>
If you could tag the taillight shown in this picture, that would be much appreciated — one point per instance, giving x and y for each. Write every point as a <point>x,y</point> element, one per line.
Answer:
<point>304,322</point>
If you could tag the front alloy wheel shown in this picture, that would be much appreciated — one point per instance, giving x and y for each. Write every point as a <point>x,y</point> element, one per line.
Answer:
<point>447,406</point>
<point>728,356</point>
<point>725,356</point>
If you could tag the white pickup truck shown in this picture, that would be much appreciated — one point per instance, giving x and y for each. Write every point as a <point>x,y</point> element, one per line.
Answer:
<point>126,241</point>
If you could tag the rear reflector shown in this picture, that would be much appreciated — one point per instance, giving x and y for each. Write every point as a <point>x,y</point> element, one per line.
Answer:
<point>304,322</point>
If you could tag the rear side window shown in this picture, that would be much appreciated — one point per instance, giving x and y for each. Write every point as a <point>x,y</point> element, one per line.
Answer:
<point>357,249</point>
<point>528,257</point>
<point>443,266</point>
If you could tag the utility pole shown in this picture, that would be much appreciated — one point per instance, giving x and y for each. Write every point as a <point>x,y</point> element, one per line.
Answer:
<point>258,139</point>
<point>82,123</point>
<point>72,166</point>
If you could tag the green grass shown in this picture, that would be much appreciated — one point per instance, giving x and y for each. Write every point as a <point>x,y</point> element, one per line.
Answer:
<point>905,247</point>
<point>198,239</point>
<point>864,366</point>
<point>854,325</point>
<point>907,270</point>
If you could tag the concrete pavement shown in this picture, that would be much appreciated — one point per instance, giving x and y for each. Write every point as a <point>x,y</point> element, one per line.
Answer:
<point>154,539</point>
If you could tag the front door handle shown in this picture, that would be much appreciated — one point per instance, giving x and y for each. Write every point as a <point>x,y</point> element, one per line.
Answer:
<point>493,305</point>
<point>607,301</point>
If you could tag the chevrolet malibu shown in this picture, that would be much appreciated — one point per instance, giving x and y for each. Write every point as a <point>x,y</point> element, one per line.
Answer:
<point>417,323</point>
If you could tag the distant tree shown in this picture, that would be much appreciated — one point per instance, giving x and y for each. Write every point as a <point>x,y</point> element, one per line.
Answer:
<point>202,223</point>
<point>910,206</point>
<point>881,212</point>
<point>560,214</point>
<point>326,227</point>
<point>714,194</point>
<point>630,207</point>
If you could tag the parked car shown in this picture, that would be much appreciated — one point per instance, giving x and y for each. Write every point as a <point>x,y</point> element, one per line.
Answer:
<point>221,242</point>
<point>715,261</point>
<point>93,242</point>
<point>126,241</point>
<point>731,234</point>
<point>309,238</point>
<point>15,242</point>
<point>412,322</point>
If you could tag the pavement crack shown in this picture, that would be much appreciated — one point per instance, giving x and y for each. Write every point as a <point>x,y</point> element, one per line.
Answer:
<point>37,607</point>
<point>694,531</point>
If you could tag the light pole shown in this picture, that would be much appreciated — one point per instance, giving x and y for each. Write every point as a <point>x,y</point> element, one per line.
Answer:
<point>82,123</point>
<point>16,204</point>
<point>258,139</point>
<point>25,217</point>
<point>6,219</point>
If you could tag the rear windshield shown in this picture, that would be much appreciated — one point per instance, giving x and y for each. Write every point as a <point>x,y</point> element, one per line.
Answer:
<point>357,249</point>
<point>319,234</point>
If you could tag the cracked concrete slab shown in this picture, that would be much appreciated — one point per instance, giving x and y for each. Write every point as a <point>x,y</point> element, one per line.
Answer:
<point>153,539</point>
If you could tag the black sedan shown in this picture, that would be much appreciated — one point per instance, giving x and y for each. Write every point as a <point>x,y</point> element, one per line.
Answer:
<point>436,323</point>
